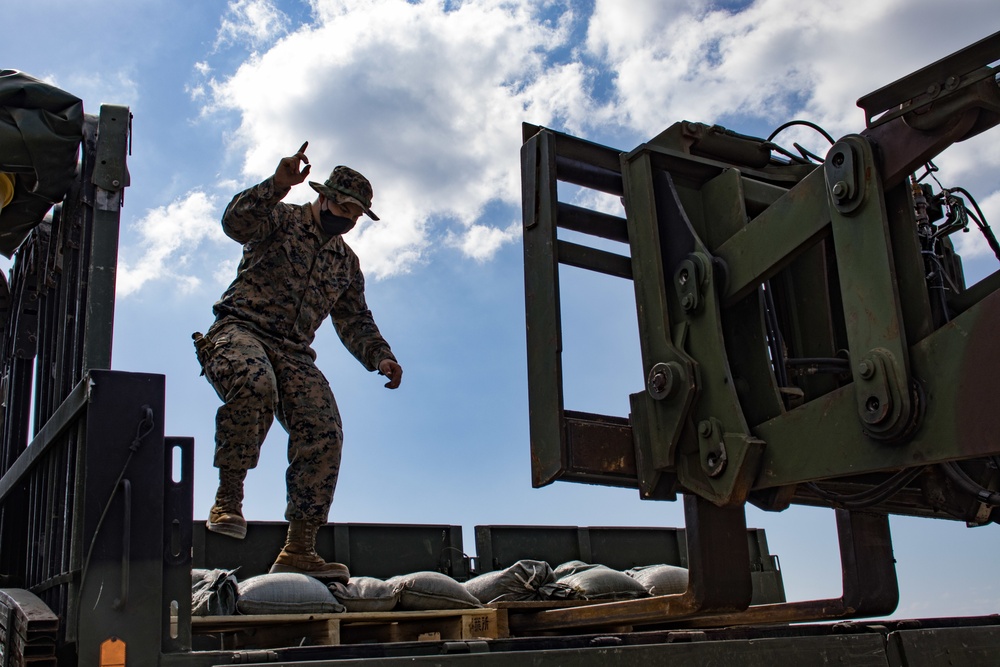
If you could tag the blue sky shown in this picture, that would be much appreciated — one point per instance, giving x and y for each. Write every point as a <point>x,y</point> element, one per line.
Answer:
<point>427,99</point>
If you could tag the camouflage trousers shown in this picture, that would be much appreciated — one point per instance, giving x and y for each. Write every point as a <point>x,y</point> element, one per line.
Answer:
<point>257,381</point>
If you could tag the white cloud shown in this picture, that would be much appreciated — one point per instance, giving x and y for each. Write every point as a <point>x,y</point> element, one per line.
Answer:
<point>481,242</point>
<point>771,60</point>
<point>168,235</point>
<point>974,162</point>
<point>97,87</point>
<point>973,244</point>
<point>973,165</point>
<point>595,200</point>
<point>425,100</point>
<point>776,60</point>
<point>253,22</point>
<point>225,272</point>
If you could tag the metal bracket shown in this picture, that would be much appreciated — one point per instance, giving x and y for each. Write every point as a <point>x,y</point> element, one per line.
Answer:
<point>842,178</point>
<point>724,466</point>
<point>659,415</point>
<point>689,281</point>
<point>871,301</point>
<point>712,447</point>
<point>875,404</point>
<point>932,83</point>
<point>110,171</point>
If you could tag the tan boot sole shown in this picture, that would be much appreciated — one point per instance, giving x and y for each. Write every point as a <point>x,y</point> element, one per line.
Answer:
<point>341,577</point>
<point>228,529</point>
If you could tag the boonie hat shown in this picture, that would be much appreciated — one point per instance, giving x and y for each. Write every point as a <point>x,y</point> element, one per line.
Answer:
<point>347,185</point>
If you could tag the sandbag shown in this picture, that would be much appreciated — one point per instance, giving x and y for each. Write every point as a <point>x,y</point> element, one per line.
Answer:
<point>661,579</point>
<point>362,594</point>
<point>286,593</point>
<point>422,591</point>
<point>213,592</point>
<point>521,582</point>
<point>571,567</point>
<point>599,582</point>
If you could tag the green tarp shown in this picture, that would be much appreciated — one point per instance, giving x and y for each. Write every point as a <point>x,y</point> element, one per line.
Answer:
<point>41,128</point>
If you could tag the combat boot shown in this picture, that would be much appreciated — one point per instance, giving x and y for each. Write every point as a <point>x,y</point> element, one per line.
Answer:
<point>226,515</point>
<point>299,555</point>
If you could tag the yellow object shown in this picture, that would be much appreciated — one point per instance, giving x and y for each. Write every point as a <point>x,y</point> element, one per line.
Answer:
<point>112,653</point>
<point>6,188</point>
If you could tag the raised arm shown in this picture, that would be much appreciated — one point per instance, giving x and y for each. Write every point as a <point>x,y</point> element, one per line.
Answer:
<point>248,215</point>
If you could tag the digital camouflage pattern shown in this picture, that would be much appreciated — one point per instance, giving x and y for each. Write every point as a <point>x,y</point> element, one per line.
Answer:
<point>258,382</point>
<point>291,278</point>
<point>345,184</point>
<point>258,355</point>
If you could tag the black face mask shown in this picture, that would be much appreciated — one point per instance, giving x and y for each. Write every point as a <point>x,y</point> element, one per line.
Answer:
<point>334,225</point>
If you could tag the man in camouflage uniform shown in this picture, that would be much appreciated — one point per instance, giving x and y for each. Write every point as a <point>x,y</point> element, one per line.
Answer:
<point>296,270</point>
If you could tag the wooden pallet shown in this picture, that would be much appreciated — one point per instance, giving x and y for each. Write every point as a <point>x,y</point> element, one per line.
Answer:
<point>278,630</point>
<point>28,629</point>
<point>514,613</point>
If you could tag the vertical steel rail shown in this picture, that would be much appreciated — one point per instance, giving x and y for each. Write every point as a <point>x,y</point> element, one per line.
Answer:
<point>17,368</point>
<point>543,313</point>
<point>110,179</point>
<point>59,328</point>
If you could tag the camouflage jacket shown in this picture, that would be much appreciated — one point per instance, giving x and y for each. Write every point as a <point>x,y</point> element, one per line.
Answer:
<point>292,276</point>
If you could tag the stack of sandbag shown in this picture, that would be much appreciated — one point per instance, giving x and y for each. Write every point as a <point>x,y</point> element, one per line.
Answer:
<point>524,581</point>
<point>217,592</point>
<point>533,581</point>
<point>213,592</point>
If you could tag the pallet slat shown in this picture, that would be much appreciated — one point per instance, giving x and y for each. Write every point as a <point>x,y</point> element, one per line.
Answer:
<point>277,630</point>
<point>27,627</point>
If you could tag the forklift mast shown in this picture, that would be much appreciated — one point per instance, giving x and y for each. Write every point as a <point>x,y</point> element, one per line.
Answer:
<point>805,330</point>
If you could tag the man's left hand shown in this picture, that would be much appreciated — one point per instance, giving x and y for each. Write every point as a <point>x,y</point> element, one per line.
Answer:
<point>391,370</point>
<point>287,174</point>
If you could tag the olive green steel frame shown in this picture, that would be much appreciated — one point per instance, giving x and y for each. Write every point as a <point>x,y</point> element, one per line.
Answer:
<point>718,242</point>
<point>64,416</point>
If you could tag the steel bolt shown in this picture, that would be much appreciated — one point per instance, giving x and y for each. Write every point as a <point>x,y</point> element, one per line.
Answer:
<point>687,302</point>
<point>663,380</point>
<point>115,183</point>
<point>866,369</point>
<point>659,381</point>
<point>839,189</point>
<point>951,83</point>
<point>705,429</point>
